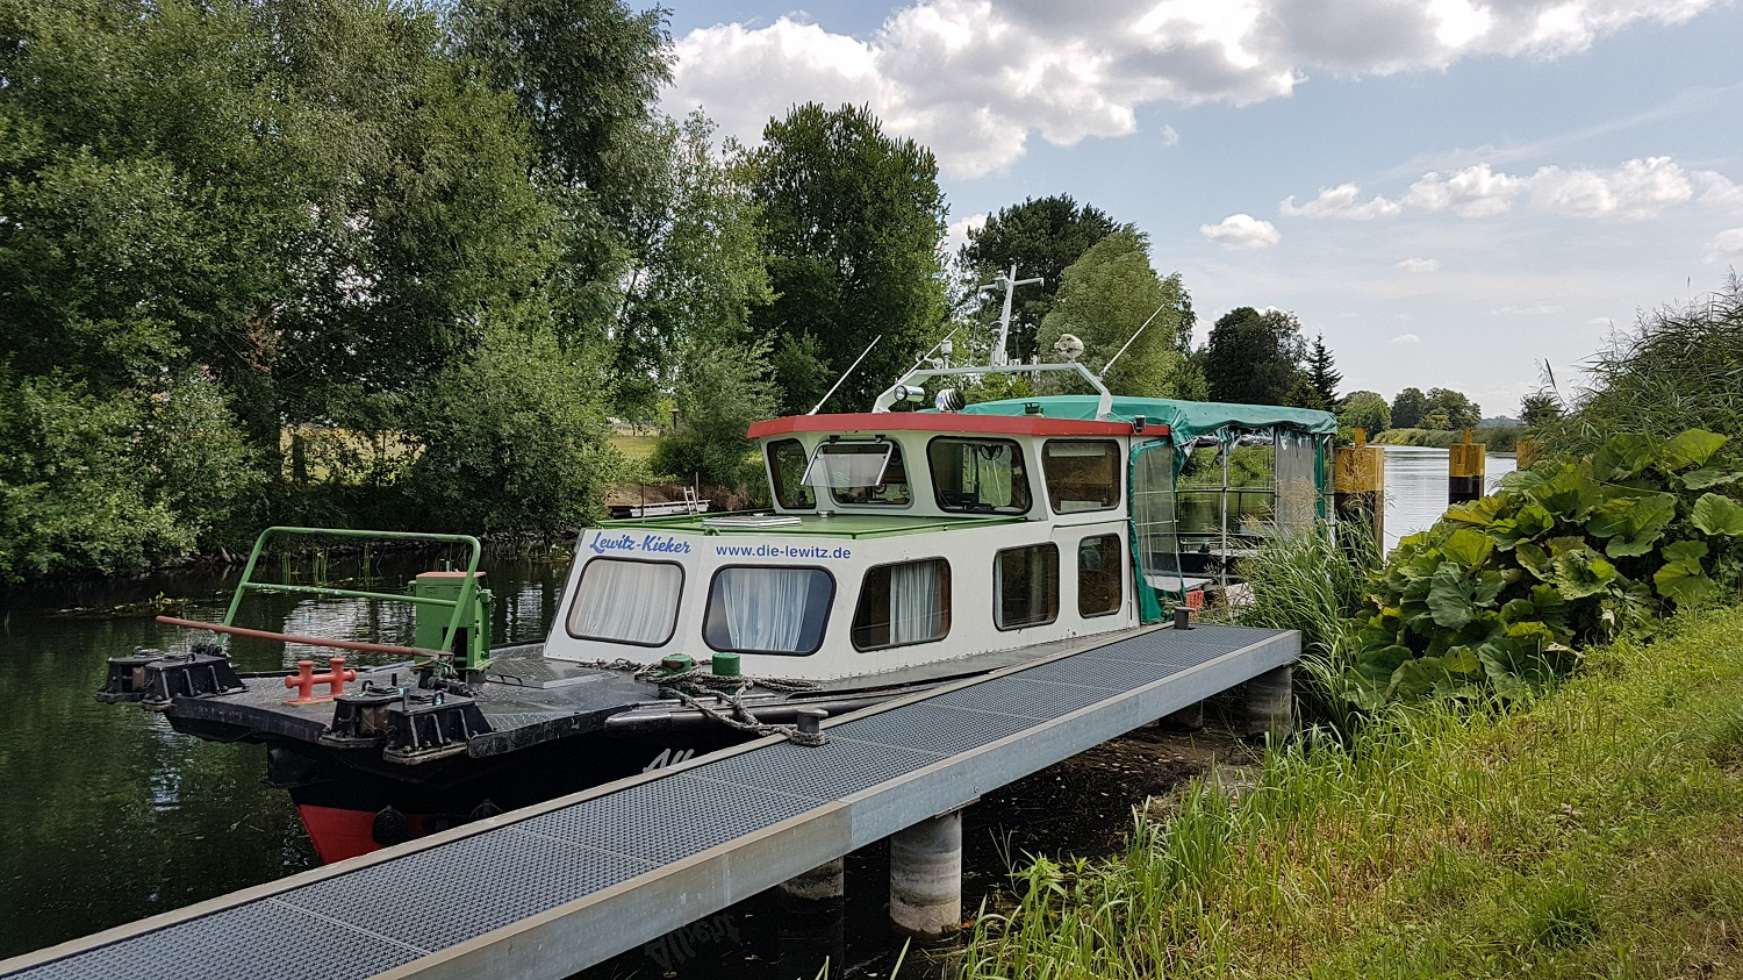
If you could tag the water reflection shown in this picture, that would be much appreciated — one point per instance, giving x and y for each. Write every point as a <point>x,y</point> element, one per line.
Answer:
<point>1416,487</point>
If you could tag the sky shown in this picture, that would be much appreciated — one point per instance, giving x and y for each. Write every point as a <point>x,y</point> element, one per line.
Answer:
<point>1451,192</point>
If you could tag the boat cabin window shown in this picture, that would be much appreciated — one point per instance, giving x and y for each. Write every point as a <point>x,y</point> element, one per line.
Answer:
<point>1100,584</point>
<point>903,604</point>
<point>1082,474</point>
<point>787,475</point>
<point>1026,586</point>
<point>759,609</point>
<point>620,600</point>
<point>979,475</point>
<point>861,473</point>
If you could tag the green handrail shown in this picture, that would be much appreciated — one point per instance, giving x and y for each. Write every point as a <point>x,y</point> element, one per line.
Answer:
<point>461,605</point>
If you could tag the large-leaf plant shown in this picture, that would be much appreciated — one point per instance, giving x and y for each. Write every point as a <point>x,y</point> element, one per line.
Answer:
<point>1502,590</point>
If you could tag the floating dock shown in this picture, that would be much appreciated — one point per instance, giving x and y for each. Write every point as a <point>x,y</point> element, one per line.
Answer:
<point>552,889</point>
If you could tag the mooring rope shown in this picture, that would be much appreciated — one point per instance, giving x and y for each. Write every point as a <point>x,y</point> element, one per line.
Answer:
<point>688,685</point>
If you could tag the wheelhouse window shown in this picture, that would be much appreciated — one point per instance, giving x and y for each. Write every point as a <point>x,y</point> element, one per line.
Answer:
<point>1026,586</point>
<point>787,475</point>
<point>1100,584</point>
<point>869,473</point>
<point>756,609</point>
<point>903,604</point>
<point>1082,474</point>
<point>979,475</point>
<point>620,600</point>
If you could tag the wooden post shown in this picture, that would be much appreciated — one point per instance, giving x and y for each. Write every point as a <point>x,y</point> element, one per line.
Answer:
<point>1527,452</point>
<point>1359,482</point>
<point>1464,470</point>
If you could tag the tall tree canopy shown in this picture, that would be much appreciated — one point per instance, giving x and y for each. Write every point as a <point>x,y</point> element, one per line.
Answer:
<point>1254,357</point>
<point>1365,410</point>
<point>1103,299</point>
<point>1041,237</point>
<point>1448,409</point>
<point>1408,408</point>
<point>1323,375</point>
<point>853,219</point>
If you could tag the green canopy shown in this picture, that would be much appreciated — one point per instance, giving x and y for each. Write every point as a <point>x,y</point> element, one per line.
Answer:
<point>1186,420</point>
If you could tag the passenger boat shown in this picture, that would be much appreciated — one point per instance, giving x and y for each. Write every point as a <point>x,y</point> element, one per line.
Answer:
<point>908,546</point>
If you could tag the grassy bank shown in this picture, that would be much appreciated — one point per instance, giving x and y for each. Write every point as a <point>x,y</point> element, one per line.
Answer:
<point>1498,440</point>
<point>1593,832</point>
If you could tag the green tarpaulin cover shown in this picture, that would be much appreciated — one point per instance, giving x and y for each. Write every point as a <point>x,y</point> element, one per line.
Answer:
<point>1186,420</point>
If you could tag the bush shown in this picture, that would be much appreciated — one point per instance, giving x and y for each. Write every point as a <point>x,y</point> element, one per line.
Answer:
<point>514,438</point>
<point>72,496</point>
<point>1501,590</point>
<point>721,390</point>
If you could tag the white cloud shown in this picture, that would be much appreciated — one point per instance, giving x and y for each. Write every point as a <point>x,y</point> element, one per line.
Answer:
<point>1419,265</point>
<point>1528,309</point>
<point>1637,189</point>
<point>1170,136</point>
<point>974,79</point>
<point>1474,192</point>
<point>1242,231</point>
<point>956,235</point>
<point>1727,244</point>
<point>1407,338</point>
<point>1342,201</point>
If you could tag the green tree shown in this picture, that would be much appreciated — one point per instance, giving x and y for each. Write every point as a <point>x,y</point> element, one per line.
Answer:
<point>1408,408</point>
<point>853,220</point>
<point>513,435</point>
<point>721,390</point>
<point>1322,374</point>
<point>1365,410</point>
<point>698,265</point>
<point>1041,237</point>
<point>1538,409</point>
<point>311,201</point>
<point>1457,410</point>
<point>1103,299</point>
<point>1254,357</point>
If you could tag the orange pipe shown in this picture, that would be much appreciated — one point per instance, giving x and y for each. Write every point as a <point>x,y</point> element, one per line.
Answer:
<point>358,645</point>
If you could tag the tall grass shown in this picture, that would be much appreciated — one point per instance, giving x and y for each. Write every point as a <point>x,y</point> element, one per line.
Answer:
<point>1312,580</point>
<point>1678,368</point>
<point>1593,832</point>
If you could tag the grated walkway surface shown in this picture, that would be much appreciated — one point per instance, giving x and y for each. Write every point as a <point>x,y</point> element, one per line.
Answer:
<point>877,773</point>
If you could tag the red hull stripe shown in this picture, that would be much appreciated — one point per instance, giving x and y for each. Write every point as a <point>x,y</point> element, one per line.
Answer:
<point>1006,425</point>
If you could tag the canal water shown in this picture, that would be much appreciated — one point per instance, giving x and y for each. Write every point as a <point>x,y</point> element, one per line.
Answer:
<point>112,817</point>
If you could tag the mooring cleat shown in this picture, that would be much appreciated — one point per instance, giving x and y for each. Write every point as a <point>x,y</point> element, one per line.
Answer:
<point>191,675</point>
<point>127,681</point>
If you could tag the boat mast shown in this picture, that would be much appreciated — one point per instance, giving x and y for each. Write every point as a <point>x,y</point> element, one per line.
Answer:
<point>1010,281</point>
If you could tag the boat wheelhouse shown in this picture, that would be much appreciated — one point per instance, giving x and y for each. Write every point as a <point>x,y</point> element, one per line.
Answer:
<point>897,539</point>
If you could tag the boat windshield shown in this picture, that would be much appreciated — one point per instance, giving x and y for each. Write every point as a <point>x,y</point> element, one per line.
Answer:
<point>860,472</point>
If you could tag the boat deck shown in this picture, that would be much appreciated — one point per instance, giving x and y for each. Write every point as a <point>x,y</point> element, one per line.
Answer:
<point>554,888</point>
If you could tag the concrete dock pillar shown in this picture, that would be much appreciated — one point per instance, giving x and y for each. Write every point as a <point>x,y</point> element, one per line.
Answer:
<point>812,930</point>
<point>1359,482</point>
<point>1271,703</point>
<point>1464,470</point>
<point>926,878</point>
<point>824,883</point>
<point>1189,719</point>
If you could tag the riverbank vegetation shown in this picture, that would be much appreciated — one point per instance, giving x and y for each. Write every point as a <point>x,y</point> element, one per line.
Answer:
<point>1591,830</point>
<point>1498,439</point>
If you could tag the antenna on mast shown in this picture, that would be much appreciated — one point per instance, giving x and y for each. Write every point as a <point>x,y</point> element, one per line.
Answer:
<point>1010,281</point>
<point>1141,328</point>
<point>845,374</point>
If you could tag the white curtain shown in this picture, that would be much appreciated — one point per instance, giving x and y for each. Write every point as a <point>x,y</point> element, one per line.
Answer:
<point>765,607</point>
<point>916,602</point>
<point>1297,486</point>
<point>629,601</point>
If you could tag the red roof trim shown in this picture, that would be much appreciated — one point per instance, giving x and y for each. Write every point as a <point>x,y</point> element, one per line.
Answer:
<point>1006,425</point>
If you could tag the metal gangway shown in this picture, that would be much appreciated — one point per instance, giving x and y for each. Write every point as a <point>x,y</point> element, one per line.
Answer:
<point>552,889</point>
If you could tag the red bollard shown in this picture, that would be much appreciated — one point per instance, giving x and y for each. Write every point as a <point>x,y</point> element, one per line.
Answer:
<point>305,679</point>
